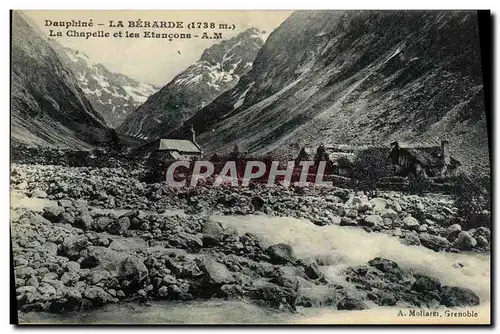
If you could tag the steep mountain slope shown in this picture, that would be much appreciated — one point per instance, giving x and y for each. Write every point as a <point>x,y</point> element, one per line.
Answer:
<point>218,69</point>
<point>356,76</point>
<point>113,95</point>
<point>47,106</point>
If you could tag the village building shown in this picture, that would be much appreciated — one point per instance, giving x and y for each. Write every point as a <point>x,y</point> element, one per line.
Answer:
<point>176,149</point>
<point>341,157</point>
<point>169,150</point>
<point>429,160</point>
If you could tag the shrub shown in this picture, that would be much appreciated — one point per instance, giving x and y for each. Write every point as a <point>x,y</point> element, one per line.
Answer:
<point>369,167</point>
<point>418,184</point>
<point>472,195</point>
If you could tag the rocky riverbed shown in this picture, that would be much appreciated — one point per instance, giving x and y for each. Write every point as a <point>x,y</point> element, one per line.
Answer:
<point>103,237</point>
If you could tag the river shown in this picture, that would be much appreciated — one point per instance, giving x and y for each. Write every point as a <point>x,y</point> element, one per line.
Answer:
<point>334,247</point>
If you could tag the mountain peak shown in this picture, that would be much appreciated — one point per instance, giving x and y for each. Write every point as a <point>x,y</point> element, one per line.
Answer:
<point>239,43</point>
<point>47,106</point>
<point>113,95</point>
<point>219,68</point>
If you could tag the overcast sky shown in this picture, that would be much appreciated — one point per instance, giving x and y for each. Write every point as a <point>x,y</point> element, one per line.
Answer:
<point>152,60</point>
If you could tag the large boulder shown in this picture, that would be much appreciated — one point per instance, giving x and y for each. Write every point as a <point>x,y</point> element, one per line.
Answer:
<point>434,242</point>
<point>411,239</point>
<point>97,295</point>
<point>484,232</point>
<point>119,226</point>
<point>37,219</point>
<point>281,253</point>
<point>114,263</point>
<point>128,245</point>
<point>65,203</point>
<point>213,232</point>
<point>216,273</point>
<point>383,265</point>
<point>48,248</point>
<point>453,231</point>
<point>379,204</point>
<point>344,221</point>
<point>389,213</point>
<point>101,223</point>
<point>426,283</point>
<point>186,241</point>
<point>84,221</point>
<point>66,218</point>
<point>162,292</point>
<point>70,278</point>
<point>411,223</point>
<point>51,213</point>
<point>349,303</point>
<point>190,270</point>
<point>464,241</point>
<point>372,220</point>
<point>482,241</point>
<point>456,296</point>
<point>73,245</point>
<point>133,269</point>
<point>80,203</point>
<point>312,270</point>
<point>258,202</point>
<point>361,204</point>
<point>37,193</point>
<point>272,295</point>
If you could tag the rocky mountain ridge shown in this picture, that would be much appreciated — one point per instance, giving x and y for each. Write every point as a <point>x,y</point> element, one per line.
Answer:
<point>218,69</point>
<point>114,95</point>
<point>48,108</point>
<point>357,76</point>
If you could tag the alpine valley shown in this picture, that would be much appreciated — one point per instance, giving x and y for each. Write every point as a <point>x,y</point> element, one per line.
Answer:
<point>218,69</point>
<point>356,76</point>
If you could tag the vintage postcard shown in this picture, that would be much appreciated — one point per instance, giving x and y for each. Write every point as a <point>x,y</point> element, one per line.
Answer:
<point>250,167</point>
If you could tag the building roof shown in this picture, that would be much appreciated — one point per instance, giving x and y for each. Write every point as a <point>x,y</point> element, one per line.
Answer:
<point>349,152</point>
<point>427,153</point>
<point>180,145</point>
<point>347,148</point>
<point>429,156</point>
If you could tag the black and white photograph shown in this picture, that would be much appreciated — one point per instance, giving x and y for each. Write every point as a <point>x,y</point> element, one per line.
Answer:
<point>251,167</point>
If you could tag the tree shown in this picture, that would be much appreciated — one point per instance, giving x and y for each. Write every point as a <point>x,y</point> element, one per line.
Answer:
<point>369,167</point>
<point>235,154</point>
<point>115,143</point>
<point>472,195</point>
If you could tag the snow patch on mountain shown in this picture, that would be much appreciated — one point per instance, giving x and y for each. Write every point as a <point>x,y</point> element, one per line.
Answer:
<point>113,95</point>
<point>219,68</point>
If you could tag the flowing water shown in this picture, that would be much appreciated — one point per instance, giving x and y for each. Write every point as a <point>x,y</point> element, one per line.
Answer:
<point>335,248</point>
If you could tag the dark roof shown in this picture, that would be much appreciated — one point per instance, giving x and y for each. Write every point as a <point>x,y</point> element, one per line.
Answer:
<point>429,156</point>
<point>346,148</point>
<point>427,153</point>
<point>349,152</point>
